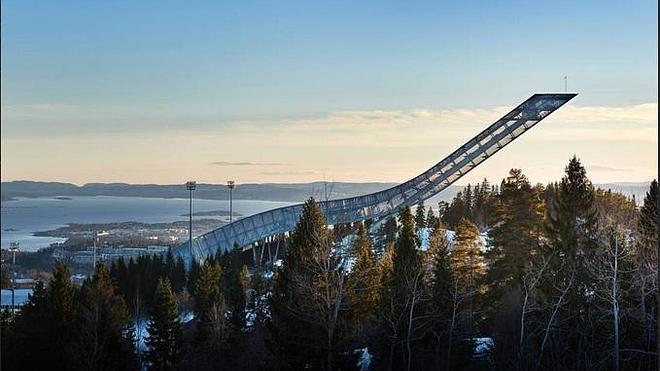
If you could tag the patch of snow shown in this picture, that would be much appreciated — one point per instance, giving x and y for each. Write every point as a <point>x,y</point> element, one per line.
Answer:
<point>451,236</point>
<point>364,362</point>
<point>141,334</point>
<point>483,346</point>
<point>186,317</point>
<point>424,234</point>
<point>484,242</point>
<point>346,242</point>
<point>348,263</point>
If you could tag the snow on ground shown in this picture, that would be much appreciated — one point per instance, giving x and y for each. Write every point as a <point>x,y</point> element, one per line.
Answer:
<point>483,346</point>
<point>347,263</point>
<point>364,362</point>
<point>424,235</point>
<point>186,317</point>
<point>141,334</point>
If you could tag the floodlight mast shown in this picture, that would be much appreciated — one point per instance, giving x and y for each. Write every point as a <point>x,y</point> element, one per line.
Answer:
<point>13,247</point>
<point>231,185</point>
<point>190,186</point>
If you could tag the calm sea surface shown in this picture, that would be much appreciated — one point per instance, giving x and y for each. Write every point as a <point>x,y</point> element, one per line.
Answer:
<point>24,216</point>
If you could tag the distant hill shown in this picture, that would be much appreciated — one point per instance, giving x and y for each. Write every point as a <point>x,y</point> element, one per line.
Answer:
<point>290,192</point>
<point>293,192</point>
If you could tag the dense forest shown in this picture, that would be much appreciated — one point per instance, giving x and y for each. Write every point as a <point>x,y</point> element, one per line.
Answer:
<point>511,276</point>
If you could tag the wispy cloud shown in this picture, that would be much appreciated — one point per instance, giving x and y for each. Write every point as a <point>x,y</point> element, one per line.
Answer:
<point>605,168</point>
<point>290,172</point>
<point>244,163</point>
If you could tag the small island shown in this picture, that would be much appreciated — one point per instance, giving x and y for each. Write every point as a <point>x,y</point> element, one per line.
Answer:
<point>213,213</point>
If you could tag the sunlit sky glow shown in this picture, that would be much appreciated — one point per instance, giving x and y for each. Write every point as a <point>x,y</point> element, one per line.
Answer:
<point>162,92</point>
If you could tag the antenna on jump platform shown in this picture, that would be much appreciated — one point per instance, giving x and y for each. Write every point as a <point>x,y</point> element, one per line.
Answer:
<point>565,83</point>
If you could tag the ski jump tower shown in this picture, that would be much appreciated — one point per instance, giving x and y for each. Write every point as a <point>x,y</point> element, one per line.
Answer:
<point>247,231</point>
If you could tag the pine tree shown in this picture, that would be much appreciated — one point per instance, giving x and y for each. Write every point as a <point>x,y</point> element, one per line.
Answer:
<point>34,332</point>
<point>469,202</point>
<point>44,325</point>
<point>646,269</point>
<point>457,209</point>
<point>402,293</point>
<point>179,275</point>
<point>388,232</point>
<point>572,230</point>
<point>363,281</point>
<point>420,216</point>
<point>102,327</point>
<point>572,217</point>
<point>517,231</point>
<point>239,283</point>
<point>193,275</point>
<point>468,266</point>
<point>440,284</point>
<point>61,309</point>
<point>165,335</point>
<point>210,304</point>
<point>648,217</point>
<point>431,219</point>
<point>406,259</point>
<point>309,294</point>
<point>466,257</point>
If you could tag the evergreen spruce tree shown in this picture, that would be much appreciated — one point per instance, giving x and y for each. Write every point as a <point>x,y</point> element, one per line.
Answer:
<point>8,340</point>
<point>517,231</point>
<point>648,217</point>
<point>468,267</point>
<point>420,216</point>
<point>33,332</point>
<point>469,202</point>
<point>210,304</point>
<point>309,294</point>
<point>431,219</point>
<point>406,259</point>
<point>363,281</point>
<point>457,209</point>
<point>388,232</point>
<point>401,291</point>
<point>646,270</point>
<point>572,217</point>
<point>239,283</point>
<point>44,325</point>
<point>440,277</point>
<point>102,327</point>
<point>165,335</point>
<point>179,275</point>
<point>60,314</point>
<point>572,230</point>
<point>466,257</point>
<point>192,276</point>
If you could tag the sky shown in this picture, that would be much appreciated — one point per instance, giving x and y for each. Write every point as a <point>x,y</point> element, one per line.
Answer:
<point>275,91</point>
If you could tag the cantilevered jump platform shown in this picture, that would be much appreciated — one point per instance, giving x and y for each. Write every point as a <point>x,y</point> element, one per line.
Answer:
<point>246,231</point>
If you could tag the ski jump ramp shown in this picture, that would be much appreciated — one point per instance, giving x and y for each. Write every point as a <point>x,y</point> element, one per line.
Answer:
<point>247,231</point>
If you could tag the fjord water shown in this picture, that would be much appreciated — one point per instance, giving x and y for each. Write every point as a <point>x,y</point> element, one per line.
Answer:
<point>24,216</point>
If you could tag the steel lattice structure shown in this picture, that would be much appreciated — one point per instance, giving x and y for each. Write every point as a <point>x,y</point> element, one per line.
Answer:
<point>246,231</point>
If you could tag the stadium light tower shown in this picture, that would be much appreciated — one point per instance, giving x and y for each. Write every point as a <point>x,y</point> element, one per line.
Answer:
<point>13,247</point>
<point>190,186</point>
<point>231,185</point>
